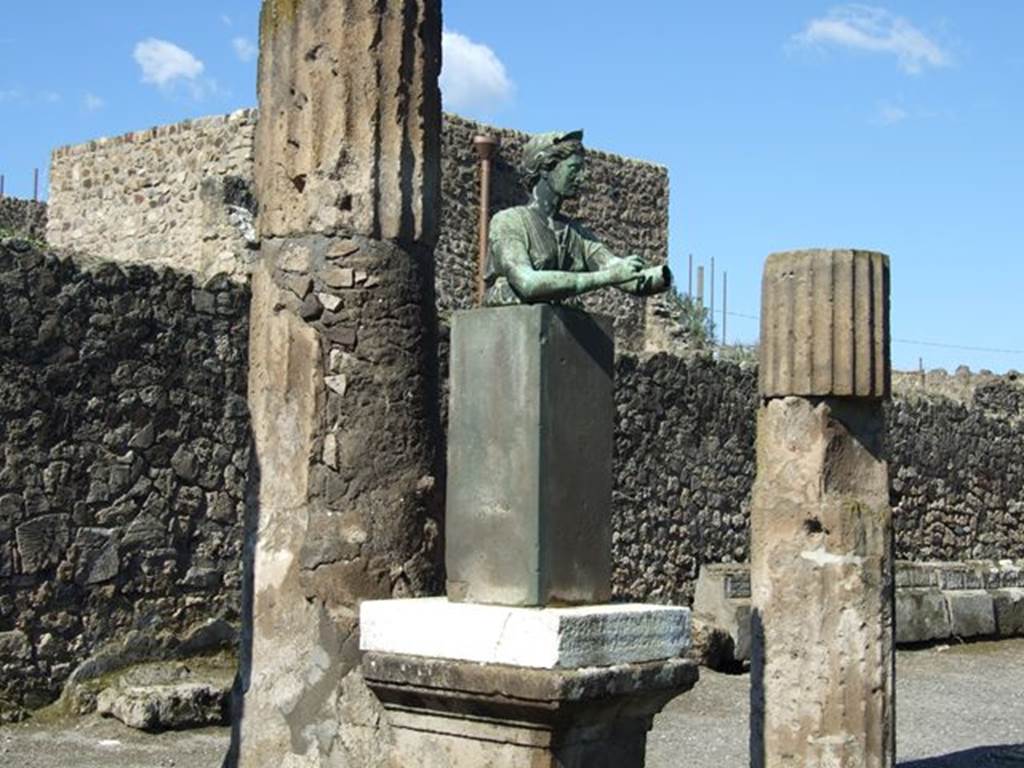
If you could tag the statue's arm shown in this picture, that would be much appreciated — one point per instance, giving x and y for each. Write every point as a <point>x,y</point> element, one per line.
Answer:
<point>648,281</point>
<point>553,285</point>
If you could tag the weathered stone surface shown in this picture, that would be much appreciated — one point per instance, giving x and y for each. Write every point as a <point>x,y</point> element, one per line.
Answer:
<point>971,613</point>
<point>166,707</point>
<point>162,696</point>
<point>342,514</point>
<point>446,714</point>
<point>723,592</point>
<point>175,196</point>
<point>921,616</point>
<point>821,579</point>
<point>351,119</point>
<point>1009,610</point>
<point>15,645</point>
<point>566,638</point>
<point>23,218</point>
<point>825,324</point>
<point>97,555</point>
<point>42,542</point>
<point>529,457</point>
<point>97,529</point>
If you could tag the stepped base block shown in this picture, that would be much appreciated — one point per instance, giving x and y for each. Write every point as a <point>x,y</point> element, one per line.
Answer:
<point>548,638</point>
<point>457,714</point>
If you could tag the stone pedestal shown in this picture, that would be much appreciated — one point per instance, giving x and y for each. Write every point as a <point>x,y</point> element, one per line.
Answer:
<point>453,714</point>
<point>821,531</point>
<point>530,450</point>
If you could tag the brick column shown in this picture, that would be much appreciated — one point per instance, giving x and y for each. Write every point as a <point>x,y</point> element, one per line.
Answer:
<point>821,554</point>
<point>342,386</point>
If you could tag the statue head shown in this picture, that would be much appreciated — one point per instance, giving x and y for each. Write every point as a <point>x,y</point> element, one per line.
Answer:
<point>556,157</point>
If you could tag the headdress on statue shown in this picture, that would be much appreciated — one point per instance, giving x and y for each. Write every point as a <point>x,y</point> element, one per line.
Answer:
<point>546,150</point>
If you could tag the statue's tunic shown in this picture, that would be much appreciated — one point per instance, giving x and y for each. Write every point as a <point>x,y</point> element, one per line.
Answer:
<point>522,237</point>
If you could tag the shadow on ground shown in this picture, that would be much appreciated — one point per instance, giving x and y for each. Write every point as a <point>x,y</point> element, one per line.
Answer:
<point>1005,756</point>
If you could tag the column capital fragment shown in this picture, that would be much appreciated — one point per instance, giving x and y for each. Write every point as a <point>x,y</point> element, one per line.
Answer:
<point>825,324</point>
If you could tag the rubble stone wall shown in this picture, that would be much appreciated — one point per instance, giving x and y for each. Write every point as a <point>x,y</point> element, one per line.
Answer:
<point>23,218</point>
<point>124,441</point>
<point>169,196</point>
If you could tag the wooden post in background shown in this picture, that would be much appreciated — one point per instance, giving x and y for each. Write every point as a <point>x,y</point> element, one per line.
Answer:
<point>485,146</point>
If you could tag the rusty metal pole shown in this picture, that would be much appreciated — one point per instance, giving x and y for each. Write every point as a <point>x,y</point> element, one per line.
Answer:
<point>485,146</point>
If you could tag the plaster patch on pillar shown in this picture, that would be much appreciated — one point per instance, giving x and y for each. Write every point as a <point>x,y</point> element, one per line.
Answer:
<point>822,558</point>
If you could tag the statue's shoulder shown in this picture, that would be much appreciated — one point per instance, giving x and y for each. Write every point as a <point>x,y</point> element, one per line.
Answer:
<point>516,216</point>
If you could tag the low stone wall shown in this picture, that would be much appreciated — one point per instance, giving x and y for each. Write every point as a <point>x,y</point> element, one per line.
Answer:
<point>123,463</point>
<point>23,218</point>
<point>178,196</point>
<point>175,196</point>
<point>935,601</point>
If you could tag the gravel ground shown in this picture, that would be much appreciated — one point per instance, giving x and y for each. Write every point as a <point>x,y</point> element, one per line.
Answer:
<point>958,707</point>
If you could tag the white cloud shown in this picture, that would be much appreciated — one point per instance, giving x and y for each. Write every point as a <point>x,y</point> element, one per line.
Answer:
<point>50,97</point>
<point>162,62</point>
<point>875,30</point>
<point>225,19</point>
<point>12,94</point>
<point>93,102</point>
<point>472,76</point>
<point>890,114</point>
<point>245,49</point>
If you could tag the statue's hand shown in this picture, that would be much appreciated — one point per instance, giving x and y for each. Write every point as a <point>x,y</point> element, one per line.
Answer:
<point>626,269</point>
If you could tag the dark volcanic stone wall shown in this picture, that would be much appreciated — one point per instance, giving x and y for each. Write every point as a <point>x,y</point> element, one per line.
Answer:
<point>958,474</point>
<point>684,466</point>
<point>24,218</point>
<point>123,458</point>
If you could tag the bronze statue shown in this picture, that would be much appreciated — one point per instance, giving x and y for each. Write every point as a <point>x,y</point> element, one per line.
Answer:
<point>537,254</point>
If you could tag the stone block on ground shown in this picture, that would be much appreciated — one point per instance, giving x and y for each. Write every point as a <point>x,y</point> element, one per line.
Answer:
<point>723,595</point>
<point>166,707</point>
<point>921,616</point>
<point>172,695</point>
<point>530,450</point>
<point>971,613</point>
<point>1009,610</point>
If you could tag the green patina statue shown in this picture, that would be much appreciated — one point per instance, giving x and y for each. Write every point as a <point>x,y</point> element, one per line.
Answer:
<point>536,254</point>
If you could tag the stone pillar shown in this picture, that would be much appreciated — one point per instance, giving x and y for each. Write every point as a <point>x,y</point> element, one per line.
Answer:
<point>342,386</point>
<point>821,554</point>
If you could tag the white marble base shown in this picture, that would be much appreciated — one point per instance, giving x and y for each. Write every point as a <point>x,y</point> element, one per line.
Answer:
<point>546,638</point>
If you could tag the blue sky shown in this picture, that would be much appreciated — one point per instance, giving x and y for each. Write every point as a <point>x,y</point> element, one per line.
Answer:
<point>784,125</point>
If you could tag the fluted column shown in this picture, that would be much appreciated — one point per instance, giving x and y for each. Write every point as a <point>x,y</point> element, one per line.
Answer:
<point>343,372</point>
<point>821,538</point>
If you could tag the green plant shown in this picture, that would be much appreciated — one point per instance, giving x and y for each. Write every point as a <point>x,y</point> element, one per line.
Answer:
<point>692,318</point>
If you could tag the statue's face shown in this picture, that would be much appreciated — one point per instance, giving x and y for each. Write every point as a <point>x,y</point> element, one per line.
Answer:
<point>566,177</point>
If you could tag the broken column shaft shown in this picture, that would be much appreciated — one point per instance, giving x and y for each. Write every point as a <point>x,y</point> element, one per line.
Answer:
<point>821,555</point>
<point>342,386</point>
